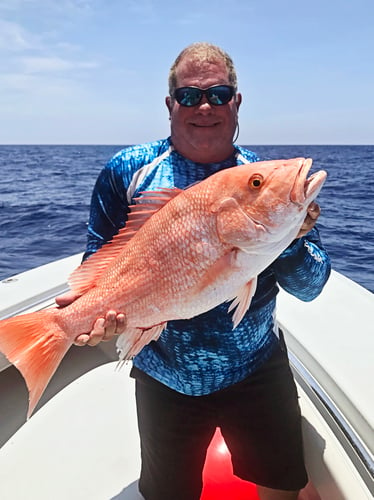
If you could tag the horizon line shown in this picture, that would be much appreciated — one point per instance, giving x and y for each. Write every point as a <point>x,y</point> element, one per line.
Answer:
<point>132,144</point>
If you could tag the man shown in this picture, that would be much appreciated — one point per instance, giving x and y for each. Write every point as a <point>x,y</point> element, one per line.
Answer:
<point>200,374</point>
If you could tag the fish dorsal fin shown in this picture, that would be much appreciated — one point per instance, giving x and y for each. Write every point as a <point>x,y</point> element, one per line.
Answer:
<point>88,273</point>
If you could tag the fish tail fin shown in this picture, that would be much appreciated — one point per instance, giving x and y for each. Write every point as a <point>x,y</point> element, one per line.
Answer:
<point>35,344</point>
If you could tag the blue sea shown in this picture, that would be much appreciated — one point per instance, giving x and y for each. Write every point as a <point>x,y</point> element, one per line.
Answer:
<point>45,194</point>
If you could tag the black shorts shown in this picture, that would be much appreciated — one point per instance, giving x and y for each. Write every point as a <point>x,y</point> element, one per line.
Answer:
<point>259,420</point>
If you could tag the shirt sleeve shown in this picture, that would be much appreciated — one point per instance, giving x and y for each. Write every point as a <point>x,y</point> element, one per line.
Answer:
<point>304,267</point>
<point>109,209</point>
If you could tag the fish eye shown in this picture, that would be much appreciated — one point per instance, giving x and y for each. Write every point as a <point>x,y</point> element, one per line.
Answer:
<point>255,182</point>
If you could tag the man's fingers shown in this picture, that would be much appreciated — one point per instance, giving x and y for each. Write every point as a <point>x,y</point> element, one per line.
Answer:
<point>103,330</point>
<point>312,215</point>
<point>81,340</point>
<point>98,332</point>
<point>66,299</point>
<point>121,323</point>
<point>110,325</point>
<point>314,210</point>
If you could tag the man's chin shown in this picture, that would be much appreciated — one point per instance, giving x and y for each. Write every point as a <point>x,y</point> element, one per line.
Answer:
<point>208,136</point>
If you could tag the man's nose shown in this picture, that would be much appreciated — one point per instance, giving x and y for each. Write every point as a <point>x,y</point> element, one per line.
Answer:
<point>204,105</point>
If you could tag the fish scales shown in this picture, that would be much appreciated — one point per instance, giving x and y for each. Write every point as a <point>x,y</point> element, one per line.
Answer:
<point>181,254</point>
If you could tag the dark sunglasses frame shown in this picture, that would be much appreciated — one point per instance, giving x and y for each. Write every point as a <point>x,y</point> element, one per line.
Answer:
<point>196,94</point>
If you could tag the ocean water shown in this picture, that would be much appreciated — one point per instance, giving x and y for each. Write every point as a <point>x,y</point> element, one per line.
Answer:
<point>45,194</point>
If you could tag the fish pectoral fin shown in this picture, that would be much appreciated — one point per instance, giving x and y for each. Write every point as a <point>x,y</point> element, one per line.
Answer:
<point>242,301</point>
<point>132,341</point>
<point>220,270</point>
<point>233,224</point>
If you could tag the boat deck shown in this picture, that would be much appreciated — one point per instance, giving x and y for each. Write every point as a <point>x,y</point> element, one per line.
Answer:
<point>14,394</point>
<point>82,442</point>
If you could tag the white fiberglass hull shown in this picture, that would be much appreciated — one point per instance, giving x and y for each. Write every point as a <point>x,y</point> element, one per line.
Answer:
<point>83,442</point>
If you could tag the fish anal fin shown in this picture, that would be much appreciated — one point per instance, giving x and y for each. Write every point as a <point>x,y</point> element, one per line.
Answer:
<point>89,272</point>
<point>242,301</point>
<point>132,341</point>
<point>35,344</point>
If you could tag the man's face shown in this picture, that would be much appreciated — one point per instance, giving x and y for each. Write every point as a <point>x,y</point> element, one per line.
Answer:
<point>204,132</point>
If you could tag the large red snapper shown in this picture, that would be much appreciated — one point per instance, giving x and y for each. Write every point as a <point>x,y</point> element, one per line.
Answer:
<point>182,253</point>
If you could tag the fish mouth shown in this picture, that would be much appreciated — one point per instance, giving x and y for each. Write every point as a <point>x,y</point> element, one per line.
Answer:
<point>306,189</point>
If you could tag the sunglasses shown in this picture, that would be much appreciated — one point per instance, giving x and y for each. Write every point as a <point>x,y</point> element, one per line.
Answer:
<point>218,95</point>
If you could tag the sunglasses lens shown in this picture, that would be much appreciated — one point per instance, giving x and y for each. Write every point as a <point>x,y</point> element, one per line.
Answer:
<point>188,96</point>
<point>220,95</point>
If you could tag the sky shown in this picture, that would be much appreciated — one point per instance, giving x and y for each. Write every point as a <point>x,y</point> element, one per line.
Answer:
<point>95,71</point>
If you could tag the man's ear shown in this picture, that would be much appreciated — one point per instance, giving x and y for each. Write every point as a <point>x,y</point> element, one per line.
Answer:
<point>238,100</point>
<point>168,102</point>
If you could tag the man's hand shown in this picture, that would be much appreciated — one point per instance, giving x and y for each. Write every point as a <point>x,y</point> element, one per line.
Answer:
<point>311,218</point>
<point>103,330</point>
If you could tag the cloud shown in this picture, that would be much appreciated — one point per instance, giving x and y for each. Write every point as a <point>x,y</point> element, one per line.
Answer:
<point>45,64</point>
<point>47,79</point>
<point>37,60</point>
<point>13,37</point>
<point>22,27</point>
<point>10,6</point>
<point>145,11</point>
<point>25,86</point>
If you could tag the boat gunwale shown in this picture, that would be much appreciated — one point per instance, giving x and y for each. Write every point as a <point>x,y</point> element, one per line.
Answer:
<point>345,433</point>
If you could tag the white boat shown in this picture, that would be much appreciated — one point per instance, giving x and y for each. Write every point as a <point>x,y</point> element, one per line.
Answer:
<point>82,442</point>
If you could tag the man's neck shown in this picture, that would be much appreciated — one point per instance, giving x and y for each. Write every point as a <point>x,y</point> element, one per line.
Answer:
<point>201,156</point>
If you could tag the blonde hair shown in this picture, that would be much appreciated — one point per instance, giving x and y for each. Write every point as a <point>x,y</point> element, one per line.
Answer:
<point>200,52</point>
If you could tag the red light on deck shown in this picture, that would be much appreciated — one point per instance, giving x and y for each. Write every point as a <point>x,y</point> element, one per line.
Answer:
<point>219,482</point>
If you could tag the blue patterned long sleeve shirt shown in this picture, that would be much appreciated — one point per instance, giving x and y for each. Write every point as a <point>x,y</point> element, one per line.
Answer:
<point>203,354</point>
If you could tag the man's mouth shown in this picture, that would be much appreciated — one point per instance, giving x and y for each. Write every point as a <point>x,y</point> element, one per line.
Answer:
<point>204,125</point>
